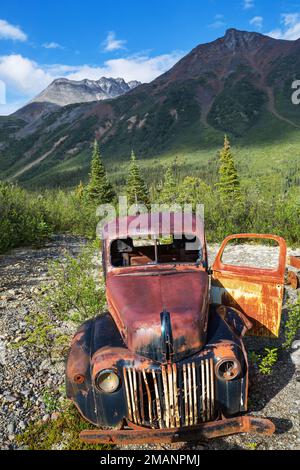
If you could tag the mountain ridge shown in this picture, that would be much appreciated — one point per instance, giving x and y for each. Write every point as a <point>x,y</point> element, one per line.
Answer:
<point>62,91</point>
<point>239,84</point>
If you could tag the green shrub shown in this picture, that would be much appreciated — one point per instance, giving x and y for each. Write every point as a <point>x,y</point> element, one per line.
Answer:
<point>23,219</point>
<point>268,361</point>
<point>61,433</point>
<point>74,294</point>
<point>264,362</point>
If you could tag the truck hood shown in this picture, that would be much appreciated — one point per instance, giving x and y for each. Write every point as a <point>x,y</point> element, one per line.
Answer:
<point>161,314</point>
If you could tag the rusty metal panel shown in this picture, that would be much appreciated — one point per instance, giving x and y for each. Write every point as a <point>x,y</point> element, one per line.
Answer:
<point>256,292</point>
<point>294,261</point>
<point>160,394</point>
<point>224,427</point>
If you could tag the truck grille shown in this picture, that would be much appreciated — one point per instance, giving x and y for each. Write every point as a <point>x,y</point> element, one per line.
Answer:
<point>171,396</point>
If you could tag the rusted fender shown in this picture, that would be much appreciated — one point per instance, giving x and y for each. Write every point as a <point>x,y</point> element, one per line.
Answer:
<point>294,261</point>
<point>293,279</point>
<point>139,435</point>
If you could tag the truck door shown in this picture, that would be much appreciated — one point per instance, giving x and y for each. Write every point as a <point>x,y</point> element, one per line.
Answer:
<point>255,291</point>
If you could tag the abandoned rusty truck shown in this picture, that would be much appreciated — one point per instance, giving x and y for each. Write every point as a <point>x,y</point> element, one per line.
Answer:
<point>167,363</point>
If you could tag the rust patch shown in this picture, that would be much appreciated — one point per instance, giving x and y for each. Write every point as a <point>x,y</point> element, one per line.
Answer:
<point>294,261</point>
<point>293,279</point>
<point>110,358</point>
<point>142,435</point>
<point>256,293</point>
<point>78,363</point>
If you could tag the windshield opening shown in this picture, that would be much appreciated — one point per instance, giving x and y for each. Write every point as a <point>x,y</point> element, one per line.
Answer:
<point>148,251</point>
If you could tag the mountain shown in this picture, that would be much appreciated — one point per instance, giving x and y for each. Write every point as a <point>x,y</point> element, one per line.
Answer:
<point>63,91</point>
<point>239,84</point>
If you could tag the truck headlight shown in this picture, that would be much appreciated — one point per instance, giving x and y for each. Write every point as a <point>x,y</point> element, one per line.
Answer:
<point>228,369</point>
<point>107,381</point>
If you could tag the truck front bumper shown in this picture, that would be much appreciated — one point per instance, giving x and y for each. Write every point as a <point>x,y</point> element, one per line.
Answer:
<point>208,430</point>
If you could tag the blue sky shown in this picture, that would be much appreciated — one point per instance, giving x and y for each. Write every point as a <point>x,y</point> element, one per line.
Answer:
<point>43,40</point>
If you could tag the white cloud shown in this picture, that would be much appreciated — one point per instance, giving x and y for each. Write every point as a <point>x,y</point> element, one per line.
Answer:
<point>289,19</point>
<point>248,4</point>
<point>139,67</point>
<point>25,78</point>
<point>256,21</point>
<point>111,43</point>
<point>290,29</point>
<point>10,31</point>
<point>217,24</point>
<point>52,45</point>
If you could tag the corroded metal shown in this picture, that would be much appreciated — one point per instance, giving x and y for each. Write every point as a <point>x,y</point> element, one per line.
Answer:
<point>148,395</point>
<point>209,430</point>
<point>165,340</point>
<point>293,279</point>
<point>166,397</point>
<point>294,261</point>
<point>186,403</point>
<point>256,292</point>
<point>169,395</point>
<point>175,394</point>
<point>194,391</point>
<point>128,396</point>
<point>203,392</point>
<point>157,399</point>
<point>212,388</point>
<point>171,398</point>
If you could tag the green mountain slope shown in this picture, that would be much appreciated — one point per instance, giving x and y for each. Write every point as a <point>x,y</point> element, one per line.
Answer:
<point>239,84</point>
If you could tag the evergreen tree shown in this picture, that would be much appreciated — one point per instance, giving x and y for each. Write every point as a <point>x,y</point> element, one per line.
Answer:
<point>136,189</point>
<point>168,193</point>
<point>99,189</point>
<point>228,184</point>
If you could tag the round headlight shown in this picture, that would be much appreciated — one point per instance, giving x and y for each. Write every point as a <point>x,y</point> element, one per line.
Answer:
<point>107,381</point>
<point>228,369</point>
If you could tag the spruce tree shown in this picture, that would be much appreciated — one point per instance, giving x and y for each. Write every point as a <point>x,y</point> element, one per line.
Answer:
<point>136,189</point>
<point>99,189</point>
<point>168,193</point>
<point>228,184</point>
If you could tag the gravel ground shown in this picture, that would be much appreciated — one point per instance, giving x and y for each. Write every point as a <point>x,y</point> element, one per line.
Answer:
<point>24,376</point>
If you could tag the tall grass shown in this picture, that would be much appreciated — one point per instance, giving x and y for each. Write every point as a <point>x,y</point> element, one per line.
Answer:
<point>30,218</point>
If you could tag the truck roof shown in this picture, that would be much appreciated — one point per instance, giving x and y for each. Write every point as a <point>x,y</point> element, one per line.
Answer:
<point>155,224</point>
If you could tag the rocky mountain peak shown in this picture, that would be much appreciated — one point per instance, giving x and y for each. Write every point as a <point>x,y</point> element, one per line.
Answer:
<point>236,39</point>
<point>63,91</point>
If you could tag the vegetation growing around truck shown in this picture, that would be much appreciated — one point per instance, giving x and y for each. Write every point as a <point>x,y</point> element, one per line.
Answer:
<point>61,432</point>
<point>266,361</point>
<point>74,294</point>
<point>232,204</point>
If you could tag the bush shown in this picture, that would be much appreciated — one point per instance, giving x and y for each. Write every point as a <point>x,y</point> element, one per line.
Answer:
<point>61,433</point>
<point>30,218</point>
<point>23,219</point>
<point>74,294</point>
